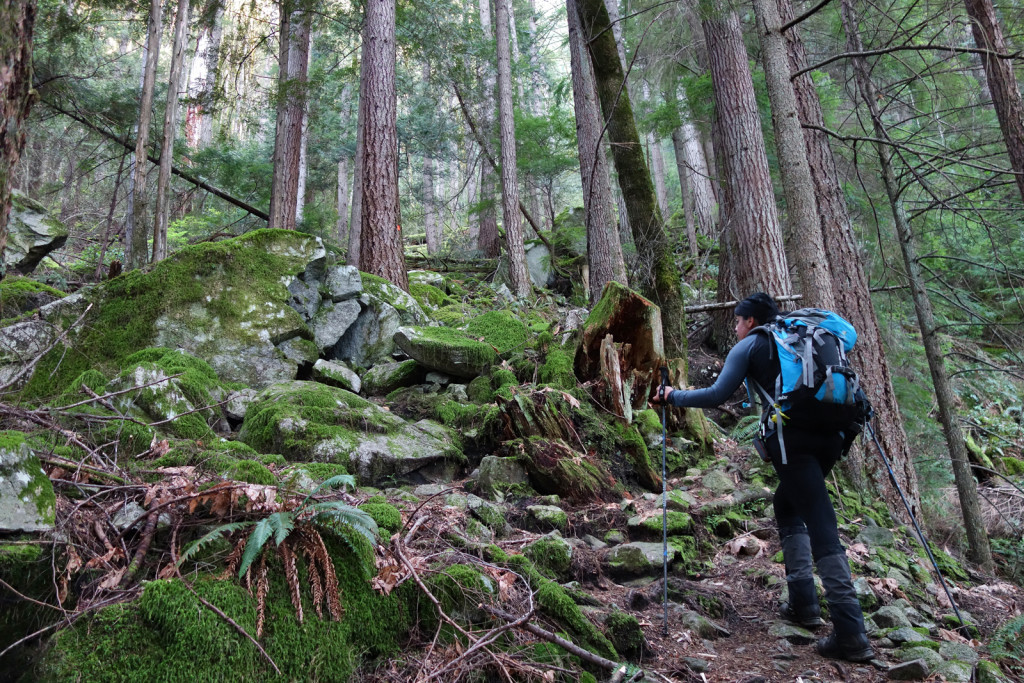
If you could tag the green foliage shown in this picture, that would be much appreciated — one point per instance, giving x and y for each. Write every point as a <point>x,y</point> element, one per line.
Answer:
<point>557,369</point>
<point>1007,643</point>
<point>385,515</point>
<point>501,329</point>
<point>20,294</point>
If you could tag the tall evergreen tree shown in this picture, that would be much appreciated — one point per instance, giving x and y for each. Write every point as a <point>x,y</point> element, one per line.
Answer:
<point>137,247</point>
<point>18,20</point>
<point>382,252</point>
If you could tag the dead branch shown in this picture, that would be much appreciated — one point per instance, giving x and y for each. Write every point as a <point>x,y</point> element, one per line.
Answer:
<point>35,361</point>
<point>140,553</point>
<point>568,646</point>
<point>718,306</point>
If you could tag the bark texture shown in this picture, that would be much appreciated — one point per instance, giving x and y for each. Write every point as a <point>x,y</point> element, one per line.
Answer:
<point>163,210</point>
<point>16,96</point>
<point>604,251</point>
<point>853,298</point>
<point>343,163</point>
<point>487,217</point>
<point>988,35</point>
<point>291,97</point>
<point>806,251</point>
<point>752,239</point>
<point>520,278</point>
<point>685,181</point>
<point>138,237</point>
<point>355,229</point>
<point>659,278</point>
<point>382,253</point>
<point>979,550</point>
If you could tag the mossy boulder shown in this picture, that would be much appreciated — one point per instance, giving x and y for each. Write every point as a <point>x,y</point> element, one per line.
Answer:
<point>552,555</point>
<point>548,517</point>
<point>225,302</point>
<point>384,378</point>
<point>501,329</point>
<point>307,421</point>
<point>625,633</point>
<point>631,560</point>
<point>371,338</point>
<point>446,350</point>
<point>21,294</point>
<point>337,374</point>
<point>27,501</point>
<point>32,233</point>
<point>172,387</point>
<point>500,475</point>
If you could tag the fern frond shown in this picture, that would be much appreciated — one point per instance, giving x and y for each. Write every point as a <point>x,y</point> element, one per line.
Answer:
<point>334,513</point>
<point>332,483</point>
<point>205,540</point>
<point>316,586</point>
<point>257,539</point>
<point>745,428</point>
<point>283,523</point>
<point>262,586</point>
<point>1008,641</point>
<point>331,588</point>
<point>291,577</point>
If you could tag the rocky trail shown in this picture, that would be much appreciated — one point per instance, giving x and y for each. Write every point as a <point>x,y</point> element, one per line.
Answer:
<point>253,463</point>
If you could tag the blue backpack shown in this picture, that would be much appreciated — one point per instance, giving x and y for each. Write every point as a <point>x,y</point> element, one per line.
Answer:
<point>816,388</point>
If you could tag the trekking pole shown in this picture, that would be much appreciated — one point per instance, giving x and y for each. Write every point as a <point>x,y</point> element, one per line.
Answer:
<point>664,502</point>
<point>917,527</point>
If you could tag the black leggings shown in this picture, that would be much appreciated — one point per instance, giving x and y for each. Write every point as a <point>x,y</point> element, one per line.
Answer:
<point>801,498</point>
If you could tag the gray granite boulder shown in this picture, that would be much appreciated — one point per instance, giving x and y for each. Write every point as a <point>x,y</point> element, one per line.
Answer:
<point>343,283</point>
<point>27,501</point>
<point>500,474</point>
<point>31,234</point>
<point>446,350</point>
<point>336,374</point>
<point>638,559</point>
<point>332,321</point>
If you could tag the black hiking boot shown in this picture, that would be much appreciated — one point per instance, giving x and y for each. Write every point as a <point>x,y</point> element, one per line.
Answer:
<point>808,617</point>
<point>855,648</point>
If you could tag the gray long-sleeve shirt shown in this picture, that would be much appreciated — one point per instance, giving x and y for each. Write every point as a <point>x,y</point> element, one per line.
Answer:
<point>751,357</point>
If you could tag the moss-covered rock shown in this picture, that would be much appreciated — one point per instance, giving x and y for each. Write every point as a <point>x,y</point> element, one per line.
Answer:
<point>501,329</point>
<point>625,633</point>
<point>446,350</point>
<point>307,421</point>
<point>552,555</point>
<point>225,302</point>
<point>27,501</point>
<point>386,515</point>
<point>21,294</point>
<point>32,233</point>
<point>384,378</point>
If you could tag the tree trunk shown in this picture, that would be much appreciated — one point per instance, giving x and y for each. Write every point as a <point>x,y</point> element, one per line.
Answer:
<point>300,192</point>
<point>16,96</point>
<point>163,183</point>
<point>748,206</point>
<point>291,99</point>
<point>203,82</point>
<point>429,210</point>
<point>355,225</point>
<point>604,252</point>
<point>660,281</point>
<point>138,228</point>
<point>853,298</point>
<point>382,253</point>
<point>679,147</point>
<point>806,250</point>
<point>520,278</point>
<point>988,35</point>
<point>341,226</point>
<point>966,486</point>
<point>658,168</point>
<point>487,234</point>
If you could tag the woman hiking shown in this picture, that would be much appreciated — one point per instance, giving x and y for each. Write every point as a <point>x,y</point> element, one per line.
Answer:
<point>803,510</point>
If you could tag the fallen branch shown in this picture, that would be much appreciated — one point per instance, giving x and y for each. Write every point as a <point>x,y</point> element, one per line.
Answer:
<point>566,645</point>
<point>718,306</point>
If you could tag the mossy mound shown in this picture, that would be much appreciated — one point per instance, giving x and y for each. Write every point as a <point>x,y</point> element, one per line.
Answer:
<point>429,297</point>
<point>557,369</point>
<point>229,459</point>
<point>386,515</point>
<point>21,294</point>
<point>306,421</point>
<point>226,302</point>
<point>501,329</point>
<point>174,388</point>
<point>168,635</point>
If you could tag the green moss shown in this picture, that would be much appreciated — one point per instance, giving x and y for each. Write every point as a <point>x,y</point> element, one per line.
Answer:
<point>428,296</point>
<point>231,459</point>
<point>479,390</point>
<point>451,316</point>
<point>678,523</point>
<point>126,309</point>
<point>1013,467</point>
<point>387,516</point>
<point>551,555</point>
<point>558,369</point>
<point>625,633</point>
<point>501,329</point>
<point>322,471</point>
<point>20,294</point>
<point>11,440</point>
<point>168,635</point>
<point>93,379</point>
<point>250,471</point>
<point>501,377</point>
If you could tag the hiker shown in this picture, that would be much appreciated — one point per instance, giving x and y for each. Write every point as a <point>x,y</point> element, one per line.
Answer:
<point>803,509</point>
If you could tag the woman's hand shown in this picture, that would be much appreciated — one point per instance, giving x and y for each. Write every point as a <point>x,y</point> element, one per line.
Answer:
<point>661,395</point>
